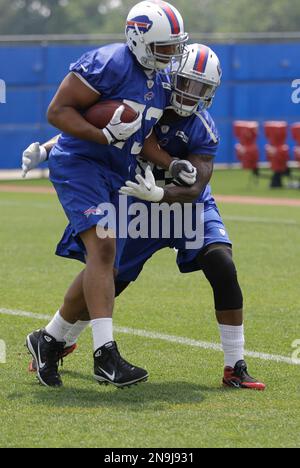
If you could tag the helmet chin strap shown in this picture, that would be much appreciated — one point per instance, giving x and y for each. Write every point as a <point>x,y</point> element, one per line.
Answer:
<point>181,109</point>
<point>161,66</point>
<point>151,63</point>
<point>184,112</point>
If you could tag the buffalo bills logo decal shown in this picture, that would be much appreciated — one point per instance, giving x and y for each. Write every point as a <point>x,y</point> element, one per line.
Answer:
<point>143,23</point>
<point>93,211</point>
<point>149,96</point>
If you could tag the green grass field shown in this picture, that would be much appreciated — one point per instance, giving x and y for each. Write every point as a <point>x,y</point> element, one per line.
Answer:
<point>183,404</point>
<point>226,182</point>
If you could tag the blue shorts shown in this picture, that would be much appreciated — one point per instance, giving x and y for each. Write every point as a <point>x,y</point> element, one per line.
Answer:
<point>137,252</point>
<point>84,187</point>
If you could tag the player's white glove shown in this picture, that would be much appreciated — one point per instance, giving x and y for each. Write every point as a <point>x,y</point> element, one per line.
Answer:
<point>117,131</point>
<point>32,157</point>
<point>146,188</point>
<point>183,172</point>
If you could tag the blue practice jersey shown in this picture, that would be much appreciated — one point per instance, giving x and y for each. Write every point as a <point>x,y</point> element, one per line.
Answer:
<point>182,138</point>
<point>113,72</point>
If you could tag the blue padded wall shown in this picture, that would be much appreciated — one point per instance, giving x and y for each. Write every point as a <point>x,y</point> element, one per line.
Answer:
<point>256,86</point>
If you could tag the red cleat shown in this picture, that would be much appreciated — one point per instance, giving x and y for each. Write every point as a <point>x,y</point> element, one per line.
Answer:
<point>69,350</point>
<point>239,378</point>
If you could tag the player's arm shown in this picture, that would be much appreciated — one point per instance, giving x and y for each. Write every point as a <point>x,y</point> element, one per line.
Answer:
<point>183,171</point>
<point>50,144</point>
<point>153,153</point>
<point>71,100</point>
<point>65,110</point>
<point>146,188</point>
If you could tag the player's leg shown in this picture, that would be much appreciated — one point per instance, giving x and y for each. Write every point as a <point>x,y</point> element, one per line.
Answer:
<point>135,254</point>
<point>215,259</point>
<point>110,367</point>
<point>66,326</point>
<point>75,305</point>
<point>50,345</point>
<point>75,295</point>
<point>73,309</point>
<point>74,302</point>
<point>82,186</point>
<point>218,266</point>
<point>98,280</point>
<point>61,333</point>
<point>99,293</point>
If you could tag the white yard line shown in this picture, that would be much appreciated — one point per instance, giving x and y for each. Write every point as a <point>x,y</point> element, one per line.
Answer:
<point>29,204</point>
<point>163,337</point>
<point>260,220</point>
<point>16,174</point>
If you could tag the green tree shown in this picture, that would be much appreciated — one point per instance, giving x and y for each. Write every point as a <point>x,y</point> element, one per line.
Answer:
<point>108,16</point>
<point>51,16</point>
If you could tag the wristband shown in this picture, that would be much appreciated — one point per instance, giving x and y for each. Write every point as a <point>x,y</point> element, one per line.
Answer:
<point>159,195</point>
<point>43,154</point>
<point>111,139</point>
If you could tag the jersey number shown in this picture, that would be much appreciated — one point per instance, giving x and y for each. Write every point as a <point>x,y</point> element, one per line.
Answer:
<point>152,113</point>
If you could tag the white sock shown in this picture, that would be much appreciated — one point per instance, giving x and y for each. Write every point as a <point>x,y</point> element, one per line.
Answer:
<point>73,334</point>
<point>102,332</point>
<point>233,344</point>
<point>58,327</point>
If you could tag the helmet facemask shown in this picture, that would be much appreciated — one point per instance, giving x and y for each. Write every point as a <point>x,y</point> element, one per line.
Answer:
<point>154,58</point>
<point>190,95</point>
<point>163,61</point>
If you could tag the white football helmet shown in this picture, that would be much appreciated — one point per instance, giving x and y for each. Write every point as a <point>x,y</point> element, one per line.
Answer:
<point>196,80</point>
<point>151,25</point>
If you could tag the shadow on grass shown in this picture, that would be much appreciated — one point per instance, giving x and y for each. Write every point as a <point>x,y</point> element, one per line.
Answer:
<point>149,395</point>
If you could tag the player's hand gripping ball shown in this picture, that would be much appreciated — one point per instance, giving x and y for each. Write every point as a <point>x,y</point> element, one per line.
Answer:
<point>117,120</point>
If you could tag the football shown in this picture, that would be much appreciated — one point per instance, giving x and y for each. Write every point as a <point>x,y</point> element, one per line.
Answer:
<point>101,113</point>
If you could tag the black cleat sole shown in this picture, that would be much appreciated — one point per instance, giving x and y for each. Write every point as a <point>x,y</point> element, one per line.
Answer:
<point>121,386</point>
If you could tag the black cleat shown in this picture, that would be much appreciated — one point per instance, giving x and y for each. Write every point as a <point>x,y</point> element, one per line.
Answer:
<point>46,352</point>
<point>66,352</point>
<point>239,378</point>
<point>111,368</point>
